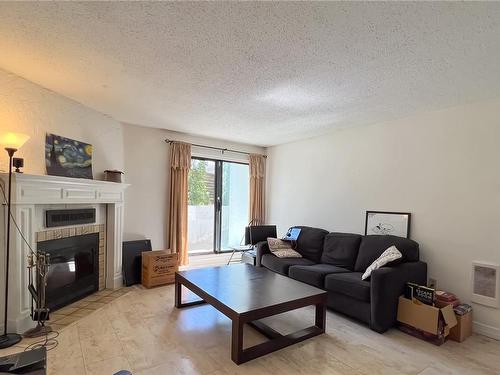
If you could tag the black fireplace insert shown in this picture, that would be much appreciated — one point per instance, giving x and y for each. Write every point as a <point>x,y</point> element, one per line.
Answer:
<point>74,268</point>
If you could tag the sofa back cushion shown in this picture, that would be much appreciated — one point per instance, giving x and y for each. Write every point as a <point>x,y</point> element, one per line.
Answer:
<point>341,249</point>
<point>373,246</point>
<point>310,242</point>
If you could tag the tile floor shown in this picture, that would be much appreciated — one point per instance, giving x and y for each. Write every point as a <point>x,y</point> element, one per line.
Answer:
<point>80,309</point>
<point>143,332</point>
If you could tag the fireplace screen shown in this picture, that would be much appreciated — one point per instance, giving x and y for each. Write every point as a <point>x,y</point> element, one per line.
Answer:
<point>74,268</point>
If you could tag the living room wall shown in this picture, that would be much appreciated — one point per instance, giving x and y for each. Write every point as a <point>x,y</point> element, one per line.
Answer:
<point>28,108</point>
<point>139,151</point>
<point>147,172</point>
<point>441,166</point>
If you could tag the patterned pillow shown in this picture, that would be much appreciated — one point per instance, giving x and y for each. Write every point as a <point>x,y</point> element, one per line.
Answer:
<point>282,249</point>
<point>390,255</point>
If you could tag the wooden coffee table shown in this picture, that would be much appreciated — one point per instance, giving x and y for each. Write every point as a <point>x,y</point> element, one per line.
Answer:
<point>245,294</point>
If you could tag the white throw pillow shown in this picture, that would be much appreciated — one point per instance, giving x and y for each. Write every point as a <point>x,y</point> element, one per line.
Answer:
<point>282,249</point>
<point>390,255</point>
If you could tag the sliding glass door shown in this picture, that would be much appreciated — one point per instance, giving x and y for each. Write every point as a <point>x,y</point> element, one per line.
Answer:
<point>201,205</point>
<point>218,205</point>
<point>234,209</point>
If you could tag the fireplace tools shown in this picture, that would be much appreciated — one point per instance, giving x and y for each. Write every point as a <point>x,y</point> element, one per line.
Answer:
<point>39,264</point>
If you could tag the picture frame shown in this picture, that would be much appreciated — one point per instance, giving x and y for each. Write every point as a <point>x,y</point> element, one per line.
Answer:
<point>388,223</point>
<point>67,157</point>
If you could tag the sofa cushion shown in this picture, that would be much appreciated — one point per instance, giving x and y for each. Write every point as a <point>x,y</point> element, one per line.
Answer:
<point>315,274</point>
<point>348,284</point>
<point>281,265</point>
<point>373,246</point>
<point>341,249</point>
<point>310,242</point>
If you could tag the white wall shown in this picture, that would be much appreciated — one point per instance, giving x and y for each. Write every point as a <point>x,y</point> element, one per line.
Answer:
<point>147,170</point>
<point>28,108</point>
<point>442,166</point>
<point>139,151</point>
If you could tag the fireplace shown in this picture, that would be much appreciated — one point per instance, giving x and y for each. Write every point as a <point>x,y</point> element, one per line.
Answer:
<point>74,268</point>
<point>32,196</point>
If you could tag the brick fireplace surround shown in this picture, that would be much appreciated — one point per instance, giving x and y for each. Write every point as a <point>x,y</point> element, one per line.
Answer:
<point>31,196</point>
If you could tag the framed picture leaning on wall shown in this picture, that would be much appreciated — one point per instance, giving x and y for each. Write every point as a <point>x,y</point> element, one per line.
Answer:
<point>67,157</point>
<point>393,223</point>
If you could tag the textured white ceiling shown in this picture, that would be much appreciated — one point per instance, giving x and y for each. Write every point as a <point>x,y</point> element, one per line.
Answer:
<point>262,73</point>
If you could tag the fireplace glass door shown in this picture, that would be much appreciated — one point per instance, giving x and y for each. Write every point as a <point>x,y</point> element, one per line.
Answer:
<point>73,270</point>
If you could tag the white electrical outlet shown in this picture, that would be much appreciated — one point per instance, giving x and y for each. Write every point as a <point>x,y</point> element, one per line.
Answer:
<point>432,283</point>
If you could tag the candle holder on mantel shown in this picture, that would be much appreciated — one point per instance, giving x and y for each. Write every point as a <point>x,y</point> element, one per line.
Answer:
<point>113,175</point>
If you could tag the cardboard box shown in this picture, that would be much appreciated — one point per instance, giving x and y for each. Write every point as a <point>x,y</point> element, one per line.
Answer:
<point>463,329</point>
<point>435,323</point>
<point>158,268</point>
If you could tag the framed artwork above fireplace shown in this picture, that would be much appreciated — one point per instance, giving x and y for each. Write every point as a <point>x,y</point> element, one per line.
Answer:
<point>67,157</point>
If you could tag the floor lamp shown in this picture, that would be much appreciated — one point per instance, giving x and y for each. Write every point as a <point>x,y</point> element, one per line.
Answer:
<point>11,142</point>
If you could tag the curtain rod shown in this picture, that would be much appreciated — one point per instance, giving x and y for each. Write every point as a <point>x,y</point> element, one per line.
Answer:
<point>215,148</point>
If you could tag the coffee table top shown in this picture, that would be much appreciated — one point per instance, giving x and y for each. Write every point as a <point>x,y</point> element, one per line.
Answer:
<point>244,288</point>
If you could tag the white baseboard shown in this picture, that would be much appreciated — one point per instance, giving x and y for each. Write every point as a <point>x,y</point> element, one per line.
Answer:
<point>117,282</point>
<point>20,325</point>
<point>486,330</point>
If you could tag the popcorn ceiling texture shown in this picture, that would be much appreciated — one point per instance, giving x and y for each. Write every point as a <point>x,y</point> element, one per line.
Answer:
<point>262,73</point>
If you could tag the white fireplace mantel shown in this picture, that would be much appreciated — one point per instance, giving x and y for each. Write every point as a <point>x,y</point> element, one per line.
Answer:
<point>29,191</point>
<point>33,189</point>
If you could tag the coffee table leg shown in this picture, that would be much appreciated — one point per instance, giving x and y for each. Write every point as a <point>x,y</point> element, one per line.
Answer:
<point>237,341</point>
<point>178,294</point>
<point>320,320</point>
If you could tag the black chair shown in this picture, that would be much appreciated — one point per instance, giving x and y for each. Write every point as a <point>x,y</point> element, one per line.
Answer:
<point>257,233</point>
<point>253,235</point>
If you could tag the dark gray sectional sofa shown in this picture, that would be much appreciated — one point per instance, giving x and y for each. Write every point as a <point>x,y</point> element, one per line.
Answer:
<point>335,263</point>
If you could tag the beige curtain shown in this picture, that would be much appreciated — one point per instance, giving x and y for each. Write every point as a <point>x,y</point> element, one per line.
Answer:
<point>257,186</point>
<point>180,163</point>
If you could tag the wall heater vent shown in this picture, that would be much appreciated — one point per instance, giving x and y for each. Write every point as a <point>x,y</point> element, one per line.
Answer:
<point>486,283</point>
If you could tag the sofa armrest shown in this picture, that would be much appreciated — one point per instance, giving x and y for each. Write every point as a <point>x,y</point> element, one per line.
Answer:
<point>261,248</point>
<point>387,284</point>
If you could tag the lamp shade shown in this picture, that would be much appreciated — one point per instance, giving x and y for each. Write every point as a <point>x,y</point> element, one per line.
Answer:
<point>13,140</point>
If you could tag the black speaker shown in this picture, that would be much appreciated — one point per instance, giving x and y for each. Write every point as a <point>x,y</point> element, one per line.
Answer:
<point>132,260</point>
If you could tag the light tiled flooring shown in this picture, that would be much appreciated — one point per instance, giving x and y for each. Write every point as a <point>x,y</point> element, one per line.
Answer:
<point>80,309</point>
<point>143,332</point>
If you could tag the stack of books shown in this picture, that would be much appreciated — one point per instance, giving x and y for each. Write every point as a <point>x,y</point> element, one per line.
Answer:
<point>462,309</point>
<point>446,298</point>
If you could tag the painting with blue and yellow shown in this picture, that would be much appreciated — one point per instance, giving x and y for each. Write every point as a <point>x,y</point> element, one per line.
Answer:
<point>67,157</point>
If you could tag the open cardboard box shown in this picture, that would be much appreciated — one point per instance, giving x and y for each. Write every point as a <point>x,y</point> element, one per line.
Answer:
<point>427,318</point>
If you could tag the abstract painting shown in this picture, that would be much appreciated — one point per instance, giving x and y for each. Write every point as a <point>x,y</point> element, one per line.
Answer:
<point>393,223</point>
<point>67,157</point>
